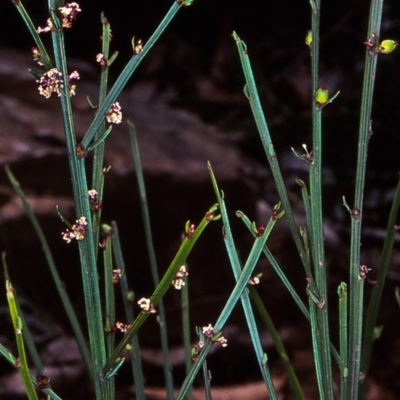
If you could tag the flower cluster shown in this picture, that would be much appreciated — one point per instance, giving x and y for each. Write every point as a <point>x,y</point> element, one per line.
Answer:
<point>78,230</point>
<point>95,205</point>
<point>363,272</point>
<point>68,11</point>
<point>147,306</point>
<point>119,326</point>
<point>138,47</point>
<point>178,281</point>
<point>101,59</point>
<point>51,82</point>
<point>208,332</point>
<point>114,114</point>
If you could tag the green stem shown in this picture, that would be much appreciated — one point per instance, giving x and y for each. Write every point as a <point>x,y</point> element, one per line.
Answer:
<point>377,290</point>
<point>153,261</point>
<point>186,330</point>
<point>321,339</point>
<point>252,95</point>
<point>60,286</point>
<point>355,289</point>
<point>343,338</point>
<point>287,365</point>
<point>23,367</point>
<point>125,75</point>
<point>80,192</point>
<point>128,297</point>
<point>98,153</point>
<point>162,288</point>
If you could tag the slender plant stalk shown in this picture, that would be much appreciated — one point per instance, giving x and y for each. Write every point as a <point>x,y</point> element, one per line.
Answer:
<point>80,192</point>
<point>128,297</point>
<point>355,289</point>
<point>125,75</point>
<point>35,36</point>
<point>14,362</point>
<point>252,95</point>
<point>207,381</point>
<point>186,330</point>
<point>78,333</point>
<point>162,288</point>
<point>343,338</point>
<point>287,365</point>
<point>316,347</point>
<point>153,261</point>
<point>98,153</point>
<point>109,307</point>
<point>245,298</point>
<point>18,330</point>
<point>321,335</point>
<point>109,295</point>
<point>377,290</point>
<point>277,268</point>
<point>240,286</point>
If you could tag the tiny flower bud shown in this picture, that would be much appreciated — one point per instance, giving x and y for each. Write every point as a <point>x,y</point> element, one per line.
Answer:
<point>308,39</point>
<point>101,59</point>
<point>363,272</point>
<point>387,46</point>
<point>42,381</point>
<point>189,229</point>
<point>80,151</point>
<point>37,57</point>
<point>117,273</point>
<point>138,47</point>
<point>322,95</point>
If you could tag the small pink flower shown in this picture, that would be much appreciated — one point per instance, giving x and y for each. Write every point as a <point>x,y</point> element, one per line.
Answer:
<point>69,12</point>
<point>222,341</point>
<point>51,82</point>
<point>114,114</point>
<point>208,331</point>
<point>119,326</point>
<point>101,59</point>
<point>78,230</point>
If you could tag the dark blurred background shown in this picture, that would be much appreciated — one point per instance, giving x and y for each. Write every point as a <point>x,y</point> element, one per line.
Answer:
<point>197,57</point>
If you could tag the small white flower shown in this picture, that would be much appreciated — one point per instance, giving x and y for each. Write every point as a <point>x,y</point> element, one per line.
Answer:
<point>146,305</point>
<point>114,114</point>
